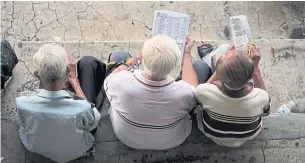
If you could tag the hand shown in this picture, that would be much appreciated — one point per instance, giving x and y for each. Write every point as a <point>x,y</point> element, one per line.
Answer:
<point>188,47</point>
<point>139,55</point>
<point>71,69</point>
<point>133,61</point>
<point>255,55</point>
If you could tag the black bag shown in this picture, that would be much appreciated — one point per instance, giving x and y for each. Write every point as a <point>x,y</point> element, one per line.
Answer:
<point>8,61</point>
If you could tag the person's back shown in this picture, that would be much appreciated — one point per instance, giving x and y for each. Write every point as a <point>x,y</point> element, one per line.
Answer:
<point>53,124</point>
<point>148,114</point>
<point>149,110</point>
<point>232,104</point>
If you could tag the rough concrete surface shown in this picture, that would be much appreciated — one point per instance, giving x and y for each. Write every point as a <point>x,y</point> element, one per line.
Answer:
<point>274,144</point>
<point>282,66</point>
<point>132,21</point>
<point>98,28</point>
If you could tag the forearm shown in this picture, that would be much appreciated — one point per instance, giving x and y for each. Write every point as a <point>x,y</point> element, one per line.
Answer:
<point>188,71</point>
<point>126,66</point>
<point>212,78</point>
<point>258,80</point>
<point>77,89</point>
<point>120,68</point>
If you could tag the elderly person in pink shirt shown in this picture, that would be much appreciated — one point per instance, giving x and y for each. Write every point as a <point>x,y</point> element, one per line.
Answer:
<point>149,109</point>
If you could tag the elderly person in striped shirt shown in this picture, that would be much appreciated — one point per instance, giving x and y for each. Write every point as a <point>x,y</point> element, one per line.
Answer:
<point>149,109</point>
<point>232,104</point>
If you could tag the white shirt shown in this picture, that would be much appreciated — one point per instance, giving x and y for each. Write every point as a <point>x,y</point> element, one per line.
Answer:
<point>55,125</point>
<point>231,121</point>
<point>149,114</point>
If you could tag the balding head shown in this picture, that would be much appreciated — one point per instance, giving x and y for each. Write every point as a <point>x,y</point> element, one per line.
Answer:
<point>235,69</point>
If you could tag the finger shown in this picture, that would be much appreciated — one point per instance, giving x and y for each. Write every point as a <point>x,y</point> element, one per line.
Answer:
<point>231,47</point>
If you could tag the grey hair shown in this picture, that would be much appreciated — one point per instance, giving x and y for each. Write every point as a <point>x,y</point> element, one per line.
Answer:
<point>235,72</point>
<point>160,56</point>
<point>51,63</point>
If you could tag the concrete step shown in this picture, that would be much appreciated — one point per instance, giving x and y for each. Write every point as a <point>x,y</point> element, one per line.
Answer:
<point>130,21</point>
<point>281,140</point>
<point>282,66</point>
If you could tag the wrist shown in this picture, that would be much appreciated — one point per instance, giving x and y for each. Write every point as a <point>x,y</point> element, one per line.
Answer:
<point>187,56</point>
<point>73,81</point>
<point>257,70</point>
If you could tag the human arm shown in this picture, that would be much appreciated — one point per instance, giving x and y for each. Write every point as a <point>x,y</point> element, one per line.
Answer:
<point>71,75</point>
<point>212,79</point>
<point>188,71</point>
<point>257,77</point>
<point>127,65</point>
<point>91,119</point>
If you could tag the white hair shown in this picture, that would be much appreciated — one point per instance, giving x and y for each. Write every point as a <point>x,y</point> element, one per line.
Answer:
<point>160,56</point>
<point>51,63</point>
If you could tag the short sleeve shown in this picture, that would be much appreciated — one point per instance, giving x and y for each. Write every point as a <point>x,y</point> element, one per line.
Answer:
<point>113,81</point>
<point>190,90</point>
<point>21,118</point>
<point>91,119</point>
<point>267,108</point>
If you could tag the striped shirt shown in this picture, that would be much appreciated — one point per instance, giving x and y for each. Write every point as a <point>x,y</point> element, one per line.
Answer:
<point>231,121</point>
<point>149,114</point>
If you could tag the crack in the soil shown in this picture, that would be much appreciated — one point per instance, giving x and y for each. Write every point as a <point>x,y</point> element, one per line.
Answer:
<point>11,22</point>
<point>27,68</point>
<point>262,148</point>
<point>145,25</point>
<point>5,5</point>
<point>57,19</point>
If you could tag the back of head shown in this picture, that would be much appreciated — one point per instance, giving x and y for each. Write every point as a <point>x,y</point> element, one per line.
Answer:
<point>51,63</point>
<point>160,56</point>
<point>235,71</point>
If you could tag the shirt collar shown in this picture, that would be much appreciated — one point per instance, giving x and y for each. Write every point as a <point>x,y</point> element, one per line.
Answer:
<point>138,75</point>
<point>53,94</point>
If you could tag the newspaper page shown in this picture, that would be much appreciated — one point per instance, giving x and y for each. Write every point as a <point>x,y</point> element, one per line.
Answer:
<point>241,32</point>
<point>173,24</point>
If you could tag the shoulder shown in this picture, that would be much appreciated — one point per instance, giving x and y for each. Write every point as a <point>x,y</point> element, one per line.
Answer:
<point>68,106</point>
<point>205,89</point>
<point>119,77</point>
<point>184,86</point>
<point>260,95</point>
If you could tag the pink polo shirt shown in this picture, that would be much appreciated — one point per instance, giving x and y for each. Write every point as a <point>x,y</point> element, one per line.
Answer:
<point>149,114</point>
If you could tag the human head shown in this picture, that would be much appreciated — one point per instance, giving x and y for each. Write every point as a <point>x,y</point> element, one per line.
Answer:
<point>160,56</point>
<point>234,69</point>
<point>51,64</point>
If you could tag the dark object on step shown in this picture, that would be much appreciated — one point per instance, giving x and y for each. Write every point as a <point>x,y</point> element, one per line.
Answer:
<point>204,49</point>
<point>8,62</point>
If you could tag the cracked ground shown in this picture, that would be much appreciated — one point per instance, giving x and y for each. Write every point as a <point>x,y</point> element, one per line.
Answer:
<point>98,28</point>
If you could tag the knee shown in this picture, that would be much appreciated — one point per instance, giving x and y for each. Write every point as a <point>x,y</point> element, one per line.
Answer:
<point>87,60</point>
<point>199,64</point>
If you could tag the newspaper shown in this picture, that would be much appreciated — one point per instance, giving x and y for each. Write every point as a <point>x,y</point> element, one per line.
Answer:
<point>173,24</point>
<point>241,32</point>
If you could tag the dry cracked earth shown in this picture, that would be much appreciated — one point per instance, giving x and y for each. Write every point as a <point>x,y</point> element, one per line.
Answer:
<point>97,28</point>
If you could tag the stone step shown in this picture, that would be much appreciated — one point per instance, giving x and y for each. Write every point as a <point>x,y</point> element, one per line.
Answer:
<point>281,140</point>
<point>282,66</point>
<point>130,21</point>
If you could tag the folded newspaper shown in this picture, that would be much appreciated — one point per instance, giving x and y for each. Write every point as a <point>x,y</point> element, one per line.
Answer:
<point>173,24</point>
<point>241,32</point>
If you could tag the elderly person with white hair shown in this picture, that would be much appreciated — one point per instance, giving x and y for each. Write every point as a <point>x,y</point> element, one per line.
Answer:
<point>149,109</point>
<point>232,103</point>
<point>53,124</point>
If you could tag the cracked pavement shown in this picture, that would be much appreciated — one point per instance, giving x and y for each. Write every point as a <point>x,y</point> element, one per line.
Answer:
<point>131,21</point>
<point>98,28</point>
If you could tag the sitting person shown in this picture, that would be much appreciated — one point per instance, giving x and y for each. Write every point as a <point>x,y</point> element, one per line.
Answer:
<point>149,109</point>
<point>53,124</point>
<point>232,104</point>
